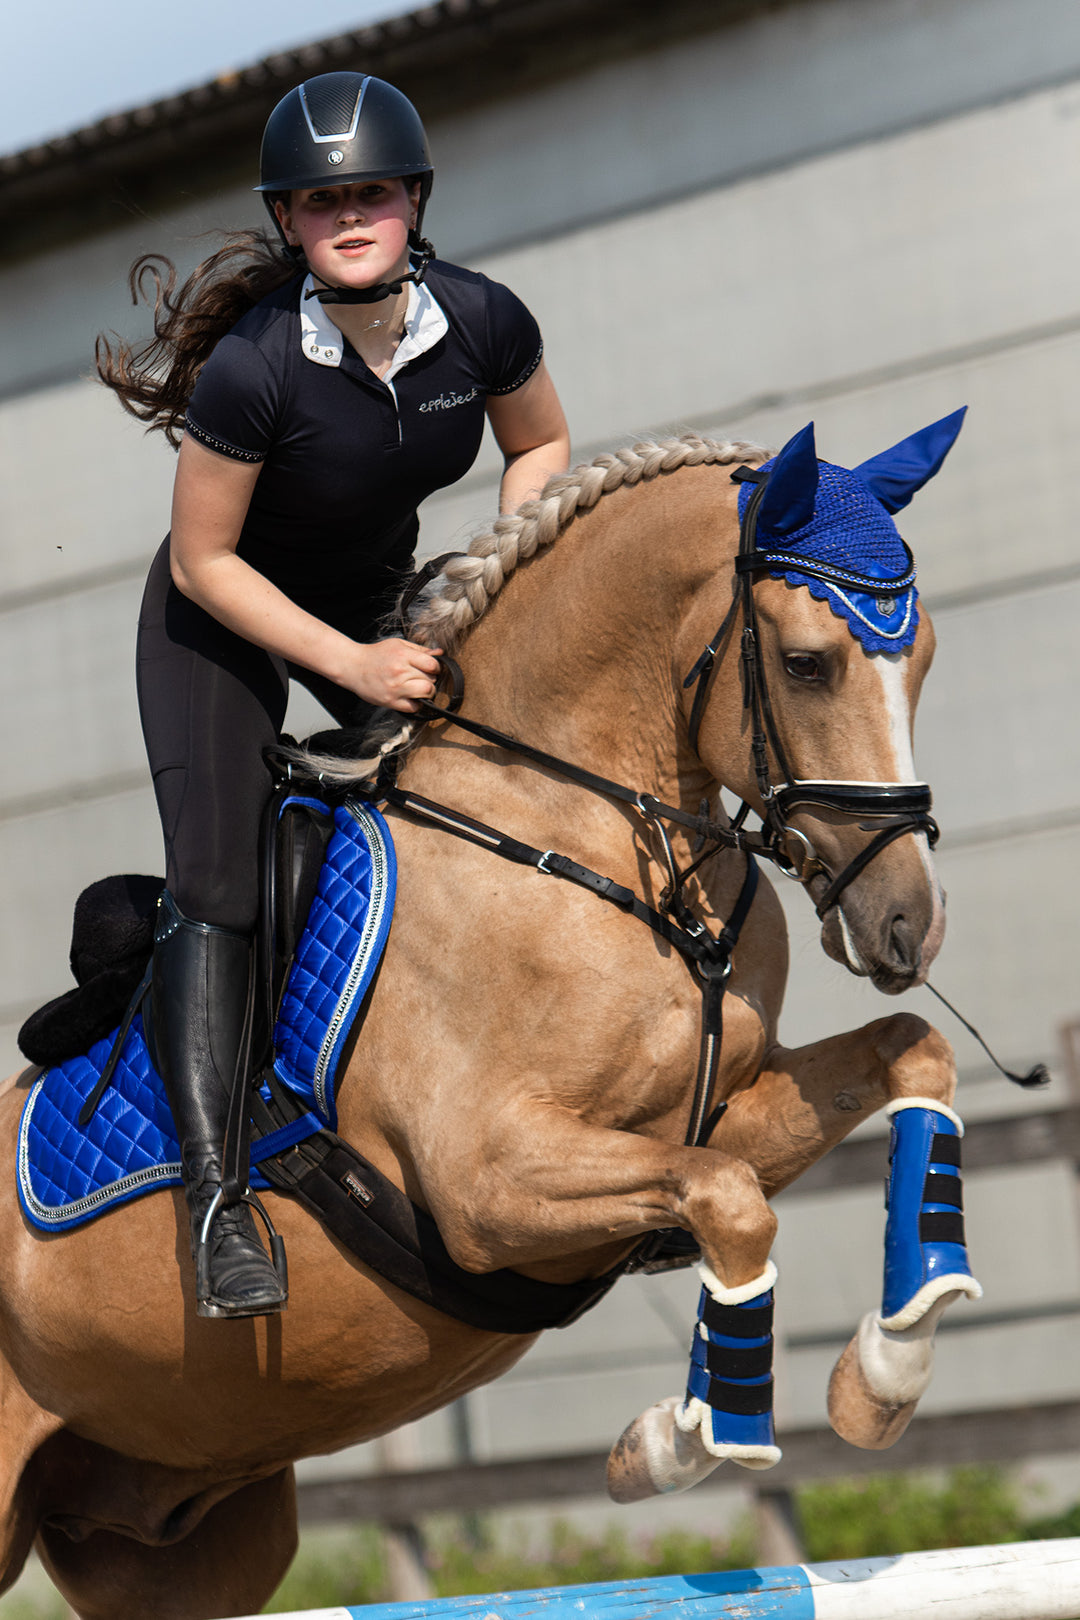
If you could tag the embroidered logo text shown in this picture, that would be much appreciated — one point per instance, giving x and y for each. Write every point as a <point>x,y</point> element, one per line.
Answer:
<point>446,402</point>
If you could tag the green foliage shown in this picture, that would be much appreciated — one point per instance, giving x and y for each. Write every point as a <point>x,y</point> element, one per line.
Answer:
<point>47,1607</point>
<point>331,1568</point>
<point>895,1513</point>
<point>1057,1524</point>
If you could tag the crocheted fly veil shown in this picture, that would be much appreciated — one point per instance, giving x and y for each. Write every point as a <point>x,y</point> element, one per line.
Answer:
<point>839,520</point>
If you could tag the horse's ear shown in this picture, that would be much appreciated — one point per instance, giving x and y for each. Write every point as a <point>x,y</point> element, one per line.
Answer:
<point>896,475</point>
<point>790,494</point>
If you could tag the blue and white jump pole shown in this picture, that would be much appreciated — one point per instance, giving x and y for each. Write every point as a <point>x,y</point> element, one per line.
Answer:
<point>1029,1580</point>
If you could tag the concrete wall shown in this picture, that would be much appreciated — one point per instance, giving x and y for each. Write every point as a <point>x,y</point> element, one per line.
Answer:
<point>859,212</point>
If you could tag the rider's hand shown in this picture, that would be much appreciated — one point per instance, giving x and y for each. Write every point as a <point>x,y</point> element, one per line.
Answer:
<point>392,674</point>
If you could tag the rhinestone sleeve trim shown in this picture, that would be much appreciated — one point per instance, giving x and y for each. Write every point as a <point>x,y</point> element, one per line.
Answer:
<point>523,378</point>
<point>222,447</point>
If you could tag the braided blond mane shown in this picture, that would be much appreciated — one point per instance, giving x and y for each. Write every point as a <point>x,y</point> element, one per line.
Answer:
<point>470,583</point>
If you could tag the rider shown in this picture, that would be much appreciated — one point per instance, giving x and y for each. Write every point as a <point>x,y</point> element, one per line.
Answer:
<point>323,387</point>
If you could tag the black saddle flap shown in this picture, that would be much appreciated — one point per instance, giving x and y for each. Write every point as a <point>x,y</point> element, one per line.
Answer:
<point>296,833</point>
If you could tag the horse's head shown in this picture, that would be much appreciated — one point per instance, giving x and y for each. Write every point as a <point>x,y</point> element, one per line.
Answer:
<point>833,654</point>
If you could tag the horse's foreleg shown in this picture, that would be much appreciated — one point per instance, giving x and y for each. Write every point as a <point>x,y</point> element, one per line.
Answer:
<point>727,1411</point>
<point>538,1183</point>
<point>541,1181</point>
<point>886,1368</point>
<point>803,1103</point>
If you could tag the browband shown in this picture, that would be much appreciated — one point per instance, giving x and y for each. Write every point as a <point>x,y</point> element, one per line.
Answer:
<point>753,562</point>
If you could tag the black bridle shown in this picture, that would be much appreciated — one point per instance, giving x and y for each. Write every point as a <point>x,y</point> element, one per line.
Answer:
<point>888,809</point>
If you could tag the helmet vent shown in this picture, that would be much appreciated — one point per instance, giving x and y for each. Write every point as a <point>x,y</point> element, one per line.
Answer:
<point>331,105</point>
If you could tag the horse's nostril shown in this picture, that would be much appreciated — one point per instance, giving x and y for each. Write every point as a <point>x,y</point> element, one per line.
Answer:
<point>904,942</point>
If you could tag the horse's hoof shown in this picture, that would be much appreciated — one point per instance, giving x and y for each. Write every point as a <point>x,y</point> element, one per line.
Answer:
<point>882,1376</point>
<point>856,1413</point>
<point>653,1457</point>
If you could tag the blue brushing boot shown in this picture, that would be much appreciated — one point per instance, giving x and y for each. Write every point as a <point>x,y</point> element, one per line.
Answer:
<point>730,1387</point>
<point>925,1253</point>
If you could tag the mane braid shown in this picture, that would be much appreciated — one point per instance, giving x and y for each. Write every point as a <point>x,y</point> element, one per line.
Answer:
<point>471,582</point>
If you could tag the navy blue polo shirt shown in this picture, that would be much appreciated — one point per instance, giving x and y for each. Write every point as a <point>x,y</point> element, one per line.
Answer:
<point>346,458</point>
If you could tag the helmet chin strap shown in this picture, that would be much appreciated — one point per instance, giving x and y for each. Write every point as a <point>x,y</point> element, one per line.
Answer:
<point>420,247</point>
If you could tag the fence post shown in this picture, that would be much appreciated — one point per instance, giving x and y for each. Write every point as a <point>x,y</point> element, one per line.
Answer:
<point>407,1574</point>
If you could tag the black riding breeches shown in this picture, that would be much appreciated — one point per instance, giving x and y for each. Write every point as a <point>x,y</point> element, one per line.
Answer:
<point>210,703</point>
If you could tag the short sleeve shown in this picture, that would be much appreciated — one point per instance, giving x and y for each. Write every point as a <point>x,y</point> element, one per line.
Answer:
<point>515,347</point>
<point>232,409</point>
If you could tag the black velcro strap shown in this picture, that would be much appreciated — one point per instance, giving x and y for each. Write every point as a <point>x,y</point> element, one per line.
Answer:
<point>748,1400</point>
<point>941,1226</point>
<point>754,1362</point>
<point>945,1150</point>
<point>939,1189</point>
<point>737,1321</point>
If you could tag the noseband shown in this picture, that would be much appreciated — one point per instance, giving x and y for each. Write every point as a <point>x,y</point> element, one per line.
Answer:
<point>887,809</point>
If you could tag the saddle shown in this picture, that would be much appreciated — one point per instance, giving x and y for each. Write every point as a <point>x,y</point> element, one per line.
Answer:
<point>96,1128</point>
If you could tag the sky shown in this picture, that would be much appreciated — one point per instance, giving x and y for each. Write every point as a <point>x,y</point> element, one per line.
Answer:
<point>67,63</point>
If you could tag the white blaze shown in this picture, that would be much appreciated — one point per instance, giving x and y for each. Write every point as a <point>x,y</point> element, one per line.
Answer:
<point>890,668</point>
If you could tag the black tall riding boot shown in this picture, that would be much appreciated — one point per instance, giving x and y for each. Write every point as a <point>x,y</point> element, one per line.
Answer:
<point>200,996</point>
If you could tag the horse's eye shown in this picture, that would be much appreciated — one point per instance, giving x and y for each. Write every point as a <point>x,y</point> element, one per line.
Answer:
<point>803,667</point>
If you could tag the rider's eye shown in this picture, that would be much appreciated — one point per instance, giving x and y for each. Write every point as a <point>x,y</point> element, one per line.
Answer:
<point>804,667</point>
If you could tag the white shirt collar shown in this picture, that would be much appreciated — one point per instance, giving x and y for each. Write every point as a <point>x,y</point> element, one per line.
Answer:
<point>322,342</point>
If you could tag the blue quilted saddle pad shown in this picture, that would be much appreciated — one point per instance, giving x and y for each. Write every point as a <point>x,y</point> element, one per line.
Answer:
<point>69,1173</point>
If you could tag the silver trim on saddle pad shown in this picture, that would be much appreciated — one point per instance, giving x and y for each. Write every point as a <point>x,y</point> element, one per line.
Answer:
<point>153,1175</point>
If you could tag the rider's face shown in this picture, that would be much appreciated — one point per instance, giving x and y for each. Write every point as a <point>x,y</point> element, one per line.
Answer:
<point>353,235</point>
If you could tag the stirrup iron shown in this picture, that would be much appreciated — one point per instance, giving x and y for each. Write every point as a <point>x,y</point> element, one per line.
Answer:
<point>205,1305</point>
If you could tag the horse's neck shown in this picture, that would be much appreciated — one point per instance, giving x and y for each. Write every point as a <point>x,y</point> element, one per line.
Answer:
<point>575,655</point>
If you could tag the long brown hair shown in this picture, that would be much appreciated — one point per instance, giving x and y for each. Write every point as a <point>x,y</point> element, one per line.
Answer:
<point>154,380</point>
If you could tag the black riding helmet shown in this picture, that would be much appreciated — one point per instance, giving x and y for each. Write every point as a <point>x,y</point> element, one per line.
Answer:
<point>340,128</point>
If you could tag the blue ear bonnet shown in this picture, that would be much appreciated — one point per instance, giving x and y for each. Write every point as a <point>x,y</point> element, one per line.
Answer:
<point>852,533</point>
<point>839,520</point>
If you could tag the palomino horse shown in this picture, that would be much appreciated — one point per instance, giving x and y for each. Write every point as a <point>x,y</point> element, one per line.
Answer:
<point>526,1066</point>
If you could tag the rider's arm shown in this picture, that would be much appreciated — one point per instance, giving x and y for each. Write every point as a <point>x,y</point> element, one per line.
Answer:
<point>530,429</point>
<point>210,502</point>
